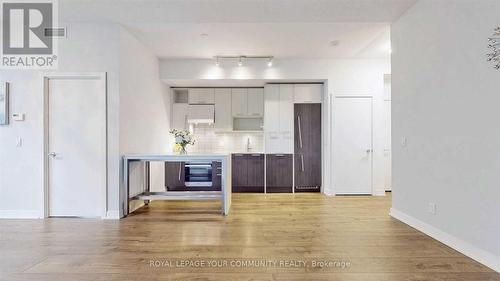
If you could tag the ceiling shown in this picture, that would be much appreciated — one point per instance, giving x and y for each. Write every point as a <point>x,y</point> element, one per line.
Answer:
<point>280,28</point>
<point>202,11</point>
<point>282,40</point>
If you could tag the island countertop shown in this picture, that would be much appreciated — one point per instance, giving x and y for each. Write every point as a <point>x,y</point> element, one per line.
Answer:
<point>178,157</point>
<point>131,159</point>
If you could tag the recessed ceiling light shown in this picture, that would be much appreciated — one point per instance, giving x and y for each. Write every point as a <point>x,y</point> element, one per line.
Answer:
<point>334,43</point>
<point>240,61</point>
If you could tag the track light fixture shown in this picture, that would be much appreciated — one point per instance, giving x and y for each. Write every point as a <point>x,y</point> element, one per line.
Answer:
<point>241,59</point>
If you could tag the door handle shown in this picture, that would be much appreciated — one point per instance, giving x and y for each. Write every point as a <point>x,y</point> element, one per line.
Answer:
<point>300,131</point>
<point>52,154</point>
<point>368,151</point>
<point>302,161</point>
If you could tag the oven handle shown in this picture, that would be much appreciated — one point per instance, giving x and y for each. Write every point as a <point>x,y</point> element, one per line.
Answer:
<point>198,165</point>
<point>180,170</point>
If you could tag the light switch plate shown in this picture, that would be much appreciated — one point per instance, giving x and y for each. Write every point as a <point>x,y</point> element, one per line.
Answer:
<point>431,208</point>
<point>404,141</point>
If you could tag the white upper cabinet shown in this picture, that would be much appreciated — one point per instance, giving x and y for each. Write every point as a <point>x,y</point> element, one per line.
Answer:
<point>248,103</point>
<point>286,118</point>
<point>308,93</point>
<point>272,109</point>
<point>239,102</point>
<point>278,118</point>
<point>179,116</point>
<point>256,102</point>
<point>223,116</point>
<point>201,96</point>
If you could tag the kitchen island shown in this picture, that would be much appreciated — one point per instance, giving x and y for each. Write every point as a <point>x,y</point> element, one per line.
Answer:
<point>224,195</point>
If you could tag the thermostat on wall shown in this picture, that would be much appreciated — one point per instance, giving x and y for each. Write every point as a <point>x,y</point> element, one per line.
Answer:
<point>18,116</point>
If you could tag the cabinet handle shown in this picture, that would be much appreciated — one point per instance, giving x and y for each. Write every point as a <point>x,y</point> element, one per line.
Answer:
<point>180,170</point>
<point>302,162</point>
<point>300,131</point>
<point>280,155</point>
<point>218,175</point>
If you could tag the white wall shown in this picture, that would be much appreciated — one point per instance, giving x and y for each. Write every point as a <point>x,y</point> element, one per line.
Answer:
<point>144,105</point>
<point>21,168</point>
<point>343,77</point>
<point>131,70</point>
<point>446,101</point>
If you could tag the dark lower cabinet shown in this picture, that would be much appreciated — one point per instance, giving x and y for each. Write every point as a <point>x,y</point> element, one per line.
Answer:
<point>175,176</point>
<point>248,172</point>
<point>216,176</point>
<point>279,173</point>
<point>239,167</point>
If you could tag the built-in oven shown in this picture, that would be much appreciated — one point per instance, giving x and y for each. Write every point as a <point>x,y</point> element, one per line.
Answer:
<point>198,174</point>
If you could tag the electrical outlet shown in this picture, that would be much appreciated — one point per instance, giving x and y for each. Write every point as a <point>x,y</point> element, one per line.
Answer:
<point>431,208</point>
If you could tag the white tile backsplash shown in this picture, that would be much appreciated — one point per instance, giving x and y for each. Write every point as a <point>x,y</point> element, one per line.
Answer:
<point>208,141</point>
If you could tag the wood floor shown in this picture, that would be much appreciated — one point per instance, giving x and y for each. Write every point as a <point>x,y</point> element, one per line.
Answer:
<point>354,234</point>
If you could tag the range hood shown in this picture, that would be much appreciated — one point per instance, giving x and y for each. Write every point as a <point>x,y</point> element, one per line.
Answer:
<point>201,113</point>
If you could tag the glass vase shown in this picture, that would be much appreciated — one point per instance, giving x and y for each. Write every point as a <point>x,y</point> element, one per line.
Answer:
<point>183,150</point>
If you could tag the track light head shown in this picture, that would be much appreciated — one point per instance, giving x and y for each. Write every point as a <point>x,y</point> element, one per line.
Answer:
<point>270,62</point>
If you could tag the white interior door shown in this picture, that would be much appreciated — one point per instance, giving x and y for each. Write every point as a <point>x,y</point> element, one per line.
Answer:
<point>352,145</point>
<point>76,146</point>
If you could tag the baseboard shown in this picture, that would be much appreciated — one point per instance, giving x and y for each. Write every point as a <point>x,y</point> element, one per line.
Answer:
<point>379,193</point>
<point>20,214</point>
<point>112,215</point>
<point>482,256</point>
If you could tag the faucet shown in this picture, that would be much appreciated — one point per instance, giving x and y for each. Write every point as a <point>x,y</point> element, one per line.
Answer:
<point>249,145</point>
